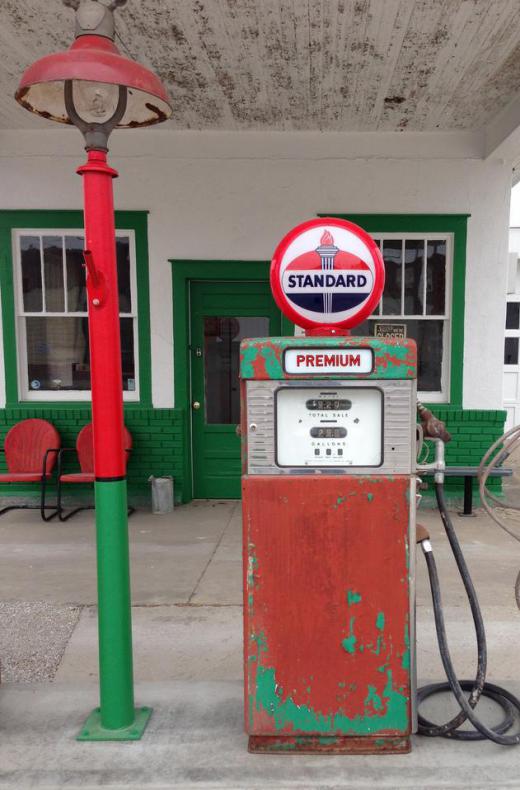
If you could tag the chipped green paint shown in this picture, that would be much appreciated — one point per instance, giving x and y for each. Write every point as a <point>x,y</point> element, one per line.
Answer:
<point>263,357</point>
<point>393,713</point>
<point>370,497</point>
<point>353,597</point>
<point>340,500</point>
<point>380,621</point>
<point>405,658</point>
<point>349,643</point>
<point>373,698</point>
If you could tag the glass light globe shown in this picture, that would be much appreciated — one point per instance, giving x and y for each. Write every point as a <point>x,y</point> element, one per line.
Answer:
<point>94,102</point>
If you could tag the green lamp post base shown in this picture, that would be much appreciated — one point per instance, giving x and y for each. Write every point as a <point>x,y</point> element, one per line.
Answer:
<point>93,730</point>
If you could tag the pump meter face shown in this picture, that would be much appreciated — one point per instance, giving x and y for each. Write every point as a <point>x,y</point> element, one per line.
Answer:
<point>336,427</point>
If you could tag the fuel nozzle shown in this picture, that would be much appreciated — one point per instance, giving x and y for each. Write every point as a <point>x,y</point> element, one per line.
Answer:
<point>433,428</point>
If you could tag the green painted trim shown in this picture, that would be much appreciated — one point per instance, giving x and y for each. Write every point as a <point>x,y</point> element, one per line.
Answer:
<point>455,224</point>
<point>183,272</point>
<point>116,689</point>
<point>20,219</point>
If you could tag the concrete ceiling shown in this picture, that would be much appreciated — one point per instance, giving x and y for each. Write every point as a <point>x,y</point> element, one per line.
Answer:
<point>329,65</point>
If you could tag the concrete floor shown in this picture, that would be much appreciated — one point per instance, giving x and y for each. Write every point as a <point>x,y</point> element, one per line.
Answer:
<point>186,577</point>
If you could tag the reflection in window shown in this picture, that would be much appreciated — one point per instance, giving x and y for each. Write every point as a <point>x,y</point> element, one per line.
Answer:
<point>222,336</point>
<point>415,301</point>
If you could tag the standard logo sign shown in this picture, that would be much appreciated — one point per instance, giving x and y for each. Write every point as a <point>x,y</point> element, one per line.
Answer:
<point>328,360</point>
<point>327,272</point>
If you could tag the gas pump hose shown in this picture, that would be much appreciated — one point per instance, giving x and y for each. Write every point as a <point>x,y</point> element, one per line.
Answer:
<point>478,687</point>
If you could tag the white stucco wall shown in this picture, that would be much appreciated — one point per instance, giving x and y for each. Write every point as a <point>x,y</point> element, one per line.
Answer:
<point>229,195</point>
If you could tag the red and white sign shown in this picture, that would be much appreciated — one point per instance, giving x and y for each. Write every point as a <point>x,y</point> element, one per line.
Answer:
<point>327,273</point>
<point>328,360</point>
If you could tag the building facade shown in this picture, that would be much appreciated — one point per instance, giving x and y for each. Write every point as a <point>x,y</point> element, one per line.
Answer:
<point>198,217</point>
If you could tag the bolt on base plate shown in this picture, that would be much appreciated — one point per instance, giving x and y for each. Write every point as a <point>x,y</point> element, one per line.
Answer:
<point>93,730</point>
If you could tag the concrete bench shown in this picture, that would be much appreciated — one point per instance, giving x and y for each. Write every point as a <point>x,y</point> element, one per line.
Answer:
<point>468,473</point>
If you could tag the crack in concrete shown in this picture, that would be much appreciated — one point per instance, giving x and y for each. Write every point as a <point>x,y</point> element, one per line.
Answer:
<point>199,580</point>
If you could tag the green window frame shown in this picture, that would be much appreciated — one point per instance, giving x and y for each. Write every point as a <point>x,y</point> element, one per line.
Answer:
<point>12,221</point>
<point>456,226</point>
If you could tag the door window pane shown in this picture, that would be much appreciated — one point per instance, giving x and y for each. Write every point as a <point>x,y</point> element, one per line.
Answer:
<point>31,274</point>
<point>53,274</point>
<point>413,276</point>
<point>511,351</point>
<point>435,277</point>
<point>513,315</point>
<point>222,336</point>
<point>392,255</point>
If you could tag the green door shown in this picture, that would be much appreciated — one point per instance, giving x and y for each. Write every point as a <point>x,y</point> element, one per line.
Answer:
<point>222,314</point>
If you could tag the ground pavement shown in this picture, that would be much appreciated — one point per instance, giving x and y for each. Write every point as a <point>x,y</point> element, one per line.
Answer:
<point>186,580</point>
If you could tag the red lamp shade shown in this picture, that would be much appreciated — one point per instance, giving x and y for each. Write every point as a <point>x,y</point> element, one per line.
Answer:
<point>95,60</point>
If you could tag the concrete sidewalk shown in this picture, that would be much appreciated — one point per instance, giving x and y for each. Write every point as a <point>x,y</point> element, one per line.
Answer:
<point>186,574</point>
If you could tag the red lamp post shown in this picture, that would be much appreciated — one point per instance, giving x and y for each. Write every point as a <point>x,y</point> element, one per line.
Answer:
<point>95,88</point>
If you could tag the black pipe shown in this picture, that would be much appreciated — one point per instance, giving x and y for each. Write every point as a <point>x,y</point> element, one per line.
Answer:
<point>478,687</point>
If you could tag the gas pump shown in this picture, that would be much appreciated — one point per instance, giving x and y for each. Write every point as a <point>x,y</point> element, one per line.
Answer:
<point>328,436</point>
<point>328,427</point>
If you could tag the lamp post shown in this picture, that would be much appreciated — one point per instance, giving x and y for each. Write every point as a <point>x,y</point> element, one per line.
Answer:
<point>95,88</point>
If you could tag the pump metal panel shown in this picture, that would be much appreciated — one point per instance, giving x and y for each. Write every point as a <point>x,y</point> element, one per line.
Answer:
<point>327,623</point>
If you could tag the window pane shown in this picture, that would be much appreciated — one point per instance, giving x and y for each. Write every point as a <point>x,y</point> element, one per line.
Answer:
<point>413,277</point>
<point>392,255</point>
<point>31,274</point>
<point>126,326</point>
<point>76,291</point>
<point>429,336</point>
<point>222,336</point>
<point>511,351</point>
<point>53,274</point>
<point>436,278</point>
<point>58,353</point>
<point>123,274</point>
<point>513,315</point>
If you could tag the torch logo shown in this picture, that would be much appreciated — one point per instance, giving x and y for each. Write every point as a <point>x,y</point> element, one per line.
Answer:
<point>327,281</point>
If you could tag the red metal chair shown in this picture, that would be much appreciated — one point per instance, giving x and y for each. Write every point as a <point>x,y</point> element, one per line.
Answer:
<point>85,453</point>
<point>30,449</point>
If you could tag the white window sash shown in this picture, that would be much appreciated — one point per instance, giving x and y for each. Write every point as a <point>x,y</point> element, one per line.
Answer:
<point>442,396</point>
<point>24,391</point>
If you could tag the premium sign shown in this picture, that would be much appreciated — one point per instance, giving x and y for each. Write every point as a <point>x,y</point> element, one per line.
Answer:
<point>324,360</point>
<point>327,273</point>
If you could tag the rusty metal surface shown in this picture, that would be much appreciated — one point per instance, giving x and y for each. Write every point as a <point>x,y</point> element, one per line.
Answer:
<point>262,358</point>
<point>313,744</point>
<point>326,606</point>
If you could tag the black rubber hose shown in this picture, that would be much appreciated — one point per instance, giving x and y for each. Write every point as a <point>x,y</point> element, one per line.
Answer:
<point>504,698</point>
<point>426,727</point>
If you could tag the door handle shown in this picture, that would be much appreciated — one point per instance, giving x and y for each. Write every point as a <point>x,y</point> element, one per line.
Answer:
<point>195,405</point>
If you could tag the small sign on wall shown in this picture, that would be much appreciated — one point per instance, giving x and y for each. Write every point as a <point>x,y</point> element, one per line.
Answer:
<point>397,331</point>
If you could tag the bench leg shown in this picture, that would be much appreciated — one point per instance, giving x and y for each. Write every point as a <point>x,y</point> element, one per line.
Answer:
<point>468,497</point>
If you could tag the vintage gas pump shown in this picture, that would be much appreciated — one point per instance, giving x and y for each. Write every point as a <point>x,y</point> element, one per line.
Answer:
<point>328,436</point>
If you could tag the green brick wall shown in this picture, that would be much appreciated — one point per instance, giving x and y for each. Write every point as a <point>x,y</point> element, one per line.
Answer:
<point>158,444</point>
<point>473,432</point>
